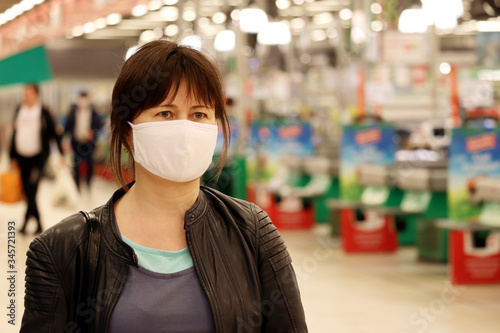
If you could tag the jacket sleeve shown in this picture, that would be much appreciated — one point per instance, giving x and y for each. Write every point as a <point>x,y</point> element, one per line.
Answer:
<point>96,123</point>
<point>69,127</point>
<point>45,307</point>
<point>51,128</point>
<point>281,306</point>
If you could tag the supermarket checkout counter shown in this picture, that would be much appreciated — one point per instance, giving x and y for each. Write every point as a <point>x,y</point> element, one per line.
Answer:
<point>424,199</point>
<point>475,245</point>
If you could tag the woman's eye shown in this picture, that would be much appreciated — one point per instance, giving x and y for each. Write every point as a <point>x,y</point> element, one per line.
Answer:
<point>165,114</point>
<point>199,115</point>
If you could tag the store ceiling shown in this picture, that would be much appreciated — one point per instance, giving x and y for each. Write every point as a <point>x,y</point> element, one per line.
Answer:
<point>131,27</point>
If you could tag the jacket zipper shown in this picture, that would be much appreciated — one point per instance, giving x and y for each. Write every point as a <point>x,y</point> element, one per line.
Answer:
<point>208,291</point>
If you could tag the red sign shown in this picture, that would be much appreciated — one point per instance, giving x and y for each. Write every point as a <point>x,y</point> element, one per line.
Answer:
<point>481,142</point>
<point>372,135</point>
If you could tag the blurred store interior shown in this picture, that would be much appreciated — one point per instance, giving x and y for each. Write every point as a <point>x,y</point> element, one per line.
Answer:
<point>367,129</point>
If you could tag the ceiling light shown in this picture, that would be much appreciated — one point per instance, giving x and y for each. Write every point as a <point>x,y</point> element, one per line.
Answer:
<point>192,41</point>
<point>446,22</point>
<point>225,41</point>
<point>170,13</point>
<point>283,4</point>
<point>158,32</point>
<point>27,5</point>
<point>376,8</point>
<point>323,18</point>
<point>114,19</point>
<point>9,15</point>
<point>297,23</point>
<point>298,2</point>
<point>332,32</point>
<point>170,2</point>
<point>219,18</point>
<point>412,21</point>
<point>155,5</point>
<point>274,33</point>
<point>147,36</point>
<point>189,15</point>
<point>345,14</point>
<point>318,35</point>
<point>100,23</point>
<point>305,58</point>
<point>17,10</point>
<point>252,20</point>
<point>445,68</point>
<point>203,22</point>
<point>487,26</point>
<point>444,13</point>
<point>171,30</point>
<point>139,10</point>
<point>89,27</point>
<point>77,31</point>
<point>37,2</point>
<point>376,26</point>
<point>212,30</point>
<point>130,52</point>
<point>235,14</point>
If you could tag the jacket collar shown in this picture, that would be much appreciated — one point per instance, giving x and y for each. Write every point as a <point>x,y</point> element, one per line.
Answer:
<point>111,234</point>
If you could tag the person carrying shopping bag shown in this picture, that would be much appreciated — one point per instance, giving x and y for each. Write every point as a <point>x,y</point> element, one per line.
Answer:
<point>34,128</point>
<point>164,254</point>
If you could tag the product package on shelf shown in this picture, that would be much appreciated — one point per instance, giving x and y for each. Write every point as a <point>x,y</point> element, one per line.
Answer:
<point>367,151</point>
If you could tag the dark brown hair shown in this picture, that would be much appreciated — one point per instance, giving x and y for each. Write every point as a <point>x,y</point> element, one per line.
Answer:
<point>154,73</point>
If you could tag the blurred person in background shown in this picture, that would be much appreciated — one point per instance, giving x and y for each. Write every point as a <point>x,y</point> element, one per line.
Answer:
<point>82,125</point>
<point>165,254</point>
<point>30,147</point>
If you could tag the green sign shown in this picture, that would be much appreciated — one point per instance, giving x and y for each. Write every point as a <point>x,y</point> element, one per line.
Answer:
<point>28,66</point>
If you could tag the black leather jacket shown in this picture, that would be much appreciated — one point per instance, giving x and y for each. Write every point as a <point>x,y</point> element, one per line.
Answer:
<point>239,256</point>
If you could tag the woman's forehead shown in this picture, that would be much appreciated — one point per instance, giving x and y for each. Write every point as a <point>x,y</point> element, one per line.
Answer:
<point>186,93</point>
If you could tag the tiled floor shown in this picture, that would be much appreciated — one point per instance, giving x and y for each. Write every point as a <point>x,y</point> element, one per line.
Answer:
<point>341,293</point>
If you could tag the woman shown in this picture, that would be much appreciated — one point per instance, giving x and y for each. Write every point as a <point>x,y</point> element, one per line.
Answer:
<point>172,256</point>
<point>30,147</point>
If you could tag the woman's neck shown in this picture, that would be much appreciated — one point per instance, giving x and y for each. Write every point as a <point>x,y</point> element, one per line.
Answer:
<point>155,197</point>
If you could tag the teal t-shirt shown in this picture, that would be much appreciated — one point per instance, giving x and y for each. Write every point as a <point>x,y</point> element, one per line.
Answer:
<point>160,261</point>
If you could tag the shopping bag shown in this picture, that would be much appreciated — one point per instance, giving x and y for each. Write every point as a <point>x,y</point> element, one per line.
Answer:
<point>64,191</point>
<point>11,186</point>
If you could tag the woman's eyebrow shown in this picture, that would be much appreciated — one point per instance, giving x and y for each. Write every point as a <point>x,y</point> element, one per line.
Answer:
<point>194,107</point>
<point>169,106</point>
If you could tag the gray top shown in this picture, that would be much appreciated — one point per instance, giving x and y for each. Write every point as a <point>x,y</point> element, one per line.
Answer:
<point>157,302</point>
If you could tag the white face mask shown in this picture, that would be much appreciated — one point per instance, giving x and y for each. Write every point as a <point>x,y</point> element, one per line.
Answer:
<point>176,150</point>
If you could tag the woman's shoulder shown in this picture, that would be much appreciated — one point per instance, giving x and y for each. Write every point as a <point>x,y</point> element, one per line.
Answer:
<point>216,197</point>
<point>65,236</point>
<point>246,213</point>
